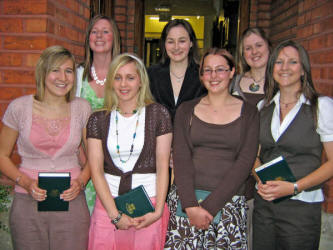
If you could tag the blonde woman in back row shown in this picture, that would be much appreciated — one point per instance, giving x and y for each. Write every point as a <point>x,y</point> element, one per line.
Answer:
<point>102,44</point>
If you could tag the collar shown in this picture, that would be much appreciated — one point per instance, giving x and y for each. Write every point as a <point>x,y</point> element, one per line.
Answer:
<point>301,100</point>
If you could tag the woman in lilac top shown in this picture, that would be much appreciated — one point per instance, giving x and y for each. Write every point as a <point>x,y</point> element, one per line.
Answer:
<point>48,129</point>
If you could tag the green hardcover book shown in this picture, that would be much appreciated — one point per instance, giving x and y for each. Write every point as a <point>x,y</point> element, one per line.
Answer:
<point>135,203</point>
<point>55,184</point>
<point>201,196</point>
<point>275,170</point>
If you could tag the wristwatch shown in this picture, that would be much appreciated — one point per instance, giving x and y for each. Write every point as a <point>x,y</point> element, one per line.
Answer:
<point>117,219</point>
<point>295,188</point>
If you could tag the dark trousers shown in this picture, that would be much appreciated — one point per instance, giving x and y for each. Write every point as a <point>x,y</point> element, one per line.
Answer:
<point>286,225</point>
<point>33,230</point>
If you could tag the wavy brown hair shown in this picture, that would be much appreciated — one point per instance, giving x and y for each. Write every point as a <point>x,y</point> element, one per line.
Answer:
<point>193,55</point>
<point>307,87</point>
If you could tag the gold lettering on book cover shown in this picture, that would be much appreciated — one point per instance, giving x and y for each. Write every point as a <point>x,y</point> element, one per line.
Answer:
<point>130,207</point>
<point>54,193</point>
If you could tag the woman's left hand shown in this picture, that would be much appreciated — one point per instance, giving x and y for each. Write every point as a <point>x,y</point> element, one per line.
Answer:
<point>146,220</point>
<point>72,192</point>
<point>275,189</point>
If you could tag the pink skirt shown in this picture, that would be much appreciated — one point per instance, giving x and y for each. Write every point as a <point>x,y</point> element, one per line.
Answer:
<point>104,236</point>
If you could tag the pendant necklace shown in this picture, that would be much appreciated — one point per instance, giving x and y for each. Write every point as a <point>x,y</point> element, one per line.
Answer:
<point>286,105</point>
<point>255,86</point>
<point>93,72</point>
<point>134,134</point>
<point>179,79</point>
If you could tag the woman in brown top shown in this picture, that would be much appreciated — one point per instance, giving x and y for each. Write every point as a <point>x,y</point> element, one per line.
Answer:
<point>215,144</point>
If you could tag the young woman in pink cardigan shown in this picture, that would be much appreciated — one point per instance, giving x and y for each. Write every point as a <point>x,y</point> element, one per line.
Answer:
<point>48,129</point>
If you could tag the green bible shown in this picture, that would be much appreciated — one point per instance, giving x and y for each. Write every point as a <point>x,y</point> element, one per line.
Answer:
<point>275,170</point>
<point>54,184</point>
<point>201,196</point>
<point>135,202</point>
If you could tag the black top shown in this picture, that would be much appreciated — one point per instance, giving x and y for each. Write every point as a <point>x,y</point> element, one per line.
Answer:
<point>161,88</point>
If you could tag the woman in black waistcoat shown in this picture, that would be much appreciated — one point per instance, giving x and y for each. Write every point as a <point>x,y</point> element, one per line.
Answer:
<point>297,124</point>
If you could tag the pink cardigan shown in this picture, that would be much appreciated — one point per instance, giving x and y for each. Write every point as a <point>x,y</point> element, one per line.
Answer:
<point>18,116</point>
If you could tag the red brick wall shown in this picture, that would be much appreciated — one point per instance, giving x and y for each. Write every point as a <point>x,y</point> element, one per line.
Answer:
<point>124,11</point>
<point>315,32</point>
<point>260,15</point>
<point>309,22</point>
<point>27,27</point>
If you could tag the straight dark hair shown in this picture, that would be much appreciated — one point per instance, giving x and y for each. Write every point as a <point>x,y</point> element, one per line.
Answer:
<point>193,55</point>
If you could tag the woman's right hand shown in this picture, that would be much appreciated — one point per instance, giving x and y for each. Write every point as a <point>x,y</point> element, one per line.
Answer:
<point>37,193</point>
<point>199,217</point>
<point>125,222</point>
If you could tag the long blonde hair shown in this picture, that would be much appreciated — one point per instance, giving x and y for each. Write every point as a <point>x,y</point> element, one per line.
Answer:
<point>110,98</point>
<point>88,55</point>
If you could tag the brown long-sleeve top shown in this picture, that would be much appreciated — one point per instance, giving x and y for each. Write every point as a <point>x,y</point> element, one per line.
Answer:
<point>222,186</point>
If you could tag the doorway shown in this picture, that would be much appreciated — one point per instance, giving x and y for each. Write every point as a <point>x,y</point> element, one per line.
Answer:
<point>215,22</point>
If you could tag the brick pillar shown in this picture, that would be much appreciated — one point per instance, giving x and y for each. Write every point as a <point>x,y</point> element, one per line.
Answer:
<point>124,11</point>
<point>260,14</point>
<point>314,31</point>
<point>27,27</point>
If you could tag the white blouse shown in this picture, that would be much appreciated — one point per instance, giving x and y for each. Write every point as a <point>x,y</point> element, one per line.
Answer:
<point>324,129</point>
<point>126,128</point>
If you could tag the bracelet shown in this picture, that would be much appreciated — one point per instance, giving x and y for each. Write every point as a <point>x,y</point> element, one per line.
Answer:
<point>295,188</point>
<point>18,178</point>
<point>82,186</point>
<point>117,219</point>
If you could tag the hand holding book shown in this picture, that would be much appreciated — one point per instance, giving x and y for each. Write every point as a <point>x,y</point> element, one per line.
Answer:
<point>36,193</point>
<point>277,179</point>
<point>126,222</point>
<point>73,191</point>
<point>275,190</point>
<point>146,220</point>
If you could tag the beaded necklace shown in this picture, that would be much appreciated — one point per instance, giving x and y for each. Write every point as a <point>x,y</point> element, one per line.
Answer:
<point>95,77</point>
<point>134,135</point>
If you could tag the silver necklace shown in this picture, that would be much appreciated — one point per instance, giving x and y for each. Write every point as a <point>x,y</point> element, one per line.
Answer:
<point>93,72</point>
<point>179,79</point>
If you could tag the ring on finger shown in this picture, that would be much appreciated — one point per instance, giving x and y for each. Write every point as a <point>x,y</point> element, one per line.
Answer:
<point>33,191</point>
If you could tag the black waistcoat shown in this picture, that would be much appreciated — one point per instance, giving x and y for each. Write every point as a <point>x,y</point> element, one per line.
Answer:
<point>299,144</point>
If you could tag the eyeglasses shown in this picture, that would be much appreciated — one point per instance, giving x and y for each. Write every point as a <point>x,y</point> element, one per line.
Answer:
<point>218,71</point>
